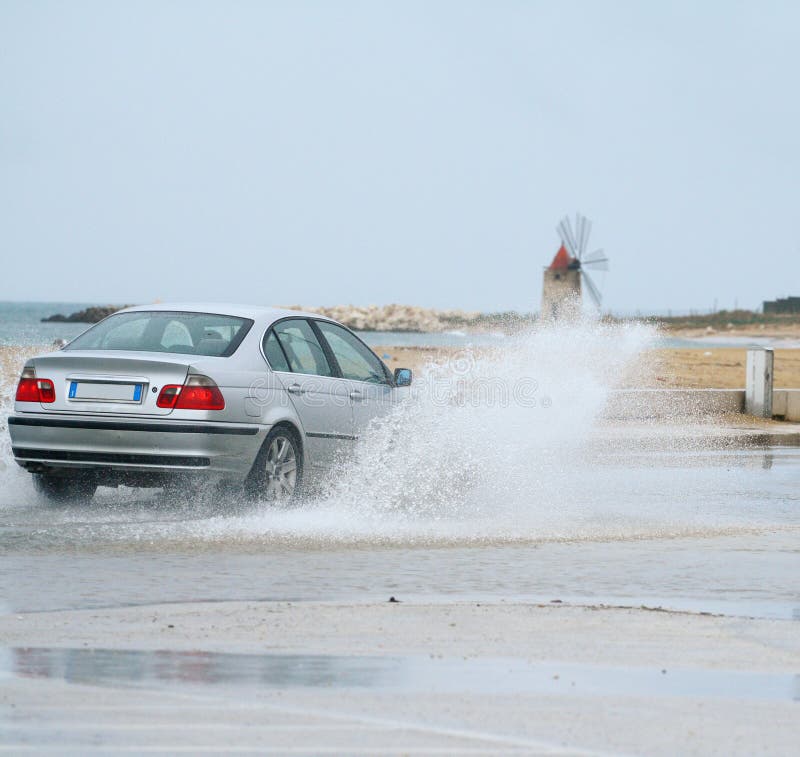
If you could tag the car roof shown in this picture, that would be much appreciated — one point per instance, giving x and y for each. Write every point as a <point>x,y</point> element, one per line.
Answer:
<point>256,312</point>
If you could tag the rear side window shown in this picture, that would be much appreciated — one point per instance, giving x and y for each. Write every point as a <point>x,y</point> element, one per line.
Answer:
<point>302,349</point>
<point>202,334</point>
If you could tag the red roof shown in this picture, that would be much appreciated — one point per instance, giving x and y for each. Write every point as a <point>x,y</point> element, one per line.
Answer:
<point>561,260</point>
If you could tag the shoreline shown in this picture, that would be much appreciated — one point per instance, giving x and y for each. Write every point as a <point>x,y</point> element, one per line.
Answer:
<point>418,319</point>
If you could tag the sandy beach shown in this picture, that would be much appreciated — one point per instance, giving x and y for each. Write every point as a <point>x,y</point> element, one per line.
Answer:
<point>703,368</point>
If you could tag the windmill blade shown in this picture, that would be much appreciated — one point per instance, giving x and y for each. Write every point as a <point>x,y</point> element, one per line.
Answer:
<point>564,232</point>
<point>578,234</point>
<point>583,241</point>
<point>570,233</point>
<point>597,260</point>
<point>567,239</point>
<point>594,292</point>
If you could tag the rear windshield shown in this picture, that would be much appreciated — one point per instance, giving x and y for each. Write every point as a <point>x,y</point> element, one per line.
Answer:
<point>160,331</point>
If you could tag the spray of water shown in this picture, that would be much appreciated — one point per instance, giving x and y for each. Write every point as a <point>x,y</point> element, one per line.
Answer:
<point>490,445</point>
<point>11,361</point>
<point>483,432</point>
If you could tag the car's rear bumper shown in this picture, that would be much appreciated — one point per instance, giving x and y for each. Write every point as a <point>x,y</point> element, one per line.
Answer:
<point>42,441</point>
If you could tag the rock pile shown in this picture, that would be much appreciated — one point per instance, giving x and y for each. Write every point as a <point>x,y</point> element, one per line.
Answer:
<point>89,315</point>
<point>395,317</point>
<point>360,318</point>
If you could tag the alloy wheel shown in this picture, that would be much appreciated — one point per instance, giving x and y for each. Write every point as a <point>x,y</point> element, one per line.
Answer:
<point>281,469</point>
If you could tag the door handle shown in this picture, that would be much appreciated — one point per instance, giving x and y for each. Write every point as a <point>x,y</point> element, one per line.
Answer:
<point>356,396</point>
<point>295,389</point>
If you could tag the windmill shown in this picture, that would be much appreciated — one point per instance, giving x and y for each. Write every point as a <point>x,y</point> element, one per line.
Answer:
<point>566,276</point>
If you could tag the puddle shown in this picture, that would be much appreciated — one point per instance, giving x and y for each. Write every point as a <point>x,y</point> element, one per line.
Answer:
<point>487,498</point>
<point>156,669</point>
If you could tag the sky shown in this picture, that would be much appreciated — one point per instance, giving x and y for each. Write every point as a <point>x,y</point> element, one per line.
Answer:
<point>327,152</point>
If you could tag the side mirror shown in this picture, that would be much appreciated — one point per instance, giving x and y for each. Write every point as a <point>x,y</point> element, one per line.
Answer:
<point>59,344</point>
<point>402,377</point>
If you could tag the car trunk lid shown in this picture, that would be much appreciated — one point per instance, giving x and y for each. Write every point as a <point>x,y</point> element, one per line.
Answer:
<point>102,382</point>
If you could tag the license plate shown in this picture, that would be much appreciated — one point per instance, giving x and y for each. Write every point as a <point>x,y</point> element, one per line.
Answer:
<point>99,392</point>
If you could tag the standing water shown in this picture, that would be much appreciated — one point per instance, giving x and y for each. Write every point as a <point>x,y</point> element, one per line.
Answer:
<point>496,477</point>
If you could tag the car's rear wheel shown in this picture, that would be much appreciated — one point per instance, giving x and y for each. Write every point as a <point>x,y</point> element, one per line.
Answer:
<point>64,488</point>
<point>277,474</point>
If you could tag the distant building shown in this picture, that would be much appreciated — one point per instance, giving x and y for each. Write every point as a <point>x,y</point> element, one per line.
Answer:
<point>561,293</point>
<point>786,305</point>
<point>566,277</point>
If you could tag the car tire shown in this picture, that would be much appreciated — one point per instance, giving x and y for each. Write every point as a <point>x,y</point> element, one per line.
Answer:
<point>64,488</point>
<point>277,474</point>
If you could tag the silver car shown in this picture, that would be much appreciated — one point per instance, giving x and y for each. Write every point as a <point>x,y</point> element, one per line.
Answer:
<point>156,395</point>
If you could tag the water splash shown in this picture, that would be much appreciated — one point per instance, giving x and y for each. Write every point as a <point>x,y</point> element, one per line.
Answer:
<point>485,431</point>
<point>490,444</point>
<point>12,359</point>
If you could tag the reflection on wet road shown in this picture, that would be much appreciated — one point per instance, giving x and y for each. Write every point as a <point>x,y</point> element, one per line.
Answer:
<point>163,668</point>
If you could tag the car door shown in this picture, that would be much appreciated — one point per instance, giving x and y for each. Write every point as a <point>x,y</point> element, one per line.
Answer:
<point>320,398</point>
<point>371,389</point>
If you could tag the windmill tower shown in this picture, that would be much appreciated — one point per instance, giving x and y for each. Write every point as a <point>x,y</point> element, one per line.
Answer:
<point>566,277</point>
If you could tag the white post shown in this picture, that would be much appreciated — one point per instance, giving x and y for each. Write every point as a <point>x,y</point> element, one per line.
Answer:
<point>758,394</point>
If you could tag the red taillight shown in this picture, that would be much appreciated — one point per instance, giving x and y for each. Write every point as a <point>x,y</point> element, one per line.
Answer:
<point>200,398</point>
<point>28,390</point>
<point>198,393</point>
<point>32,389</point>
